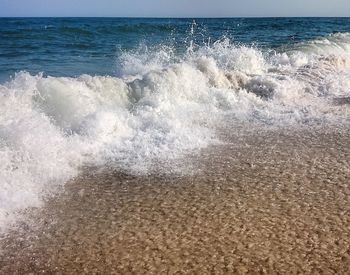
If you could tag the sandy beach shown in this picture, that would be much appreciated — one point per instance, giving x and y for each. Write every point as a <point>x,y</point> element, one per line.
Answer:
<point>272,201</point>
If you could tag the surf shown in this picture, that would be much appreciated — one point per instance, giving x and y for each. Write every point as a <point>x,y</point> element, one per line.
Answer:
<point>160,106</point>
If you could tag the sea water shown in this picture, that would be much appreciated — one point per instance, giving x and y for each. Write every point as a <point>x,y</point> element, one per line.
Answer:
<point>126,93</point>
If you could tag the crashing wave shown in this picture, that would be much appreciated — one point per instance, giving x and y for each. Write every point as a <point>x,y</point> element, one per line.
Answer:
<point>161,107</point>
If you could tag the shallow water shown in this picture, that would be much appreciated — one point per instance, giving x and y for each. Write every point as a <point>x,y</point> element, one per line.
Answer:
<point>268,201</point>
<point>127,94</point>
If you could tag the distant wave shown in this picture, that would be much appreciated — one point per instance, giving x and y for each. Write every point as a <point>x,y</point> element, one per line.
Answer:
<point>160,107</point>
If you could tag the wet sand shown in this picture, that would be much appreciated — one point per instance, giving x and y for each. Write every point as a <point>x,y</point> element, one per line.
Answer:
<point>269,201</point>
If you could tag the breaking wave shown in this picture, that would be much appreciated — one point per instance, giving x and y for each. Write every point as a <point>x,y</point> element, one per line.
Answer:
<point>160,107</point>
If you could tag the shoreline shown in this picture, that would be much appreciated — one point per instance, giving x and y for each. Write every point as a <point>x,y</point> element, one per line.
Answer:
<point>276,201</point>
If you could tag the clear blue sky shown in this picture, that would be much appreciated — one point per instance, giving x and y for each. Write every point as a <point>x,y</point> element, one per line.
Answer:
<point>175,8</point>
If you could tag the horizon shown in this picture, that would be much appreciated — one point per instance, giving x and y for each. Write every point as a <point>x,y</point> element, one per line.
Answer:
<point>178,9</point>
<point>178,17</point>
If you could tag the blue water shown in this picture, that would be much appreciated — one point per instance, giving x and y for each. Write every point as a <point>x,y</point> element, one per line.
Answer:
<point>75,46</point>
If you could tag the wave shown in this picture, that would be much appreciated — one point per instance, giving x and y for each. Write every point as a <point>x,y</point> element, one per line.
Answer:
<point>160,107</point>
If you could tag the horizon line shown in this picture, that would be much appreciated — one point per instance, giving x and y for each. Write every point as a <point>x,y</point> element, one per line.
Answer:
<point>176,17</point>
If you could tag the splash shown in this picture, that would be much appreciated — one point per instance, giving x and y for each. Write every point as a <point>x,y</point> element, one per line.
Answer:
<point>160,107</point>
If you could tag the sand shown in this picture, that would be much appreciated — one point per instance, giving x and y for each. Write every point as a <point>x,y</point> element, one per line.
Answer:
<point>273,201</point>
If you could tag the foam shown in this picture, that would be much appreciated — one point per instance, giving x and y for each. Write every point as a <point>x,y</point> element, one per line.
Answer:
<point>159,108</point>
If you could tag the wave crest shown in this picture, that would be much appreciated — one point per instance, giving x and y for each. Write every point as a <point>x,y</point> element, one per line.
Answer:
<point>160,107</point>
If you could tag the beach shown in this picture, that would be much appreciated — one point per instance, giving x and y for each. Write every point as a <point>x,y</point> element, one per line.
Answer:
<point>270,200</point>
<point>174,145</point>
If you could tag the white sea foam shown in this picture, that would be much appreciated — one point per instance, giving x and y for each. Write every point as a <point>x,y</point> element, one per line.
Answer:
<point>159,108</point>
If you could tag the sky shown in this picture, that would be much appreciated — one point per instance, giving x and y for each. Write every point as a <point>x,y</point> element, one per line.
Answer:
<point>174,8</point>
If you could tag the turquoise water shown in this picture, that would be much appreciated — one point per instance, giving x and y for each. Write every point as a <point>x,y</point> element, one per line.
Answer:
<point>75,46</point>
<point>139,95</point>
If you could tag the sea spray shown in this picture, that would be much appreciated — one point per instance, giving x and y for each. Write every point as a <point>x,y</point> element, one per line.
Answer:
<point>159,107</point>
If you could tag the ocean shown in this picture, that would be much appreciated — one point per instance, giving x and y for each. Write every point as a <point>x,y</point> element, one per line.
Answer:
<point>75,46</point>
<point>139,95</point>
